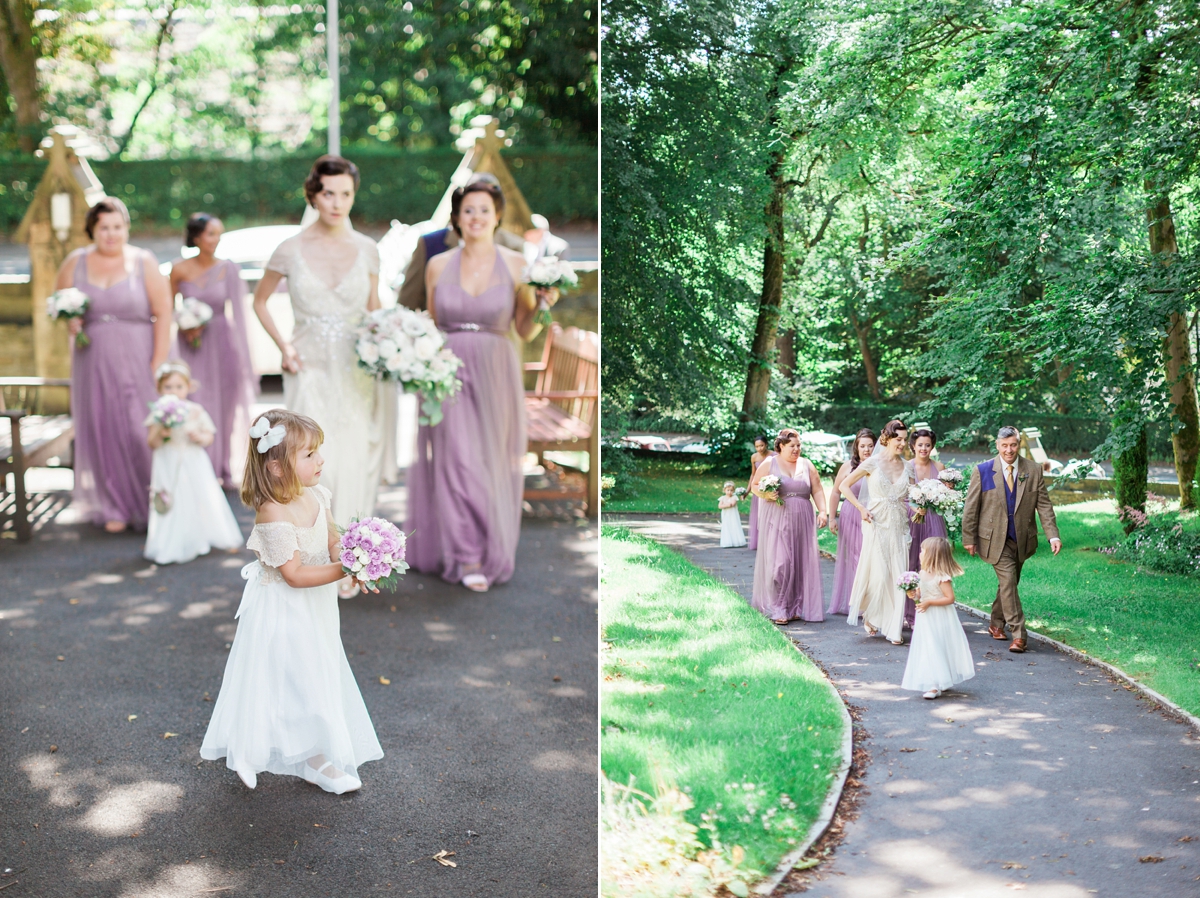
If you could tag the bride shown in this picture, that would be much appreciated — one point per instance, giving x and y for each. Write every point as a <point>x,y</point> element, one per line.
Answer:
<point>333,278</point>
<point>875,595</point>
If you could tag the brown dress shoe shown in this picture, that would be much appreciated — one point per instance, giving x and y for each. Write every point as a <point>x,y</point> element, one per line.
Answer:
<point>997,632</point>
<point>1018,646</point>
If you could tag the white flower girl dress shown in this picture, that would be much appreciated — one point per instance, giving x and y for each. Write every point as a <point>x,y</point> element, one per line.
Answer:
<point>939,656</point>
<point>289,694</point>
<point>189,515</point>
<point>732,535</point>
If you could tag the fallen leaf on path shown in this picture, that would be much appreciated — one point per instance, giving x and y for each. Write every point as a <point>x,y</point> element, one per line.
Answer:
<point>132,717</point>
<point>385,681</point>
<point>441,858</point>
<point>807,864</point>
<point>1012,865</point>
<point>556,638</point>
<point>53,749</point>
<point>1152,859</point>
<point>910,749</point>
<point>169,735</point>
<point>62,657</point>
<point>1188,839</point>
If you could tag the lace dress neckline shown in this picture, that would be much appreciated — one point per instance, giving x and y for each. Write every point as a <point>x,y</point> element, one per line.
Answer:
<point>320,280</point>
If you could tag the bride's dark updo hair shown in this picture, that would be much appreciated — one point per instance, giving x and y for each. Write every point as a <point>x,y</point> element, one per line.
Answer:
<point>325,166</point>
<point>891,430</point>
<point>855,458</point>
<point>785,436</point>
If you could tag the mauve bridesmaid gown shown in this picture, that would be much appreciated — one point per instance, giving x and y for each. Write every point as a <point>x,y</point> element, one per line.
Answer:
<point>465,486</point>
<point>111,389</point>
<point>849,544</point>
<point>787,576</point>
<point>222,366</point>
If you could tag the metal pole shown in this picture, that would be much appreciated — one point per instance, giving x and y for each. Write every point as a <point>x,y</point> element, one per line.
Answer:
<point>333,62</point>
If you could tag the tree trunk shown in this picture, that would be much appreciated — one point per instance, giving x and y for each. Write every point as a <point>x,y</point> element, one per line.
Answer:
<point>1131,470</point>
<point>862,330</point>
<point>1177,353</point>
<point>758,379</point>
<point>785,347</point>
<point>18,59</point>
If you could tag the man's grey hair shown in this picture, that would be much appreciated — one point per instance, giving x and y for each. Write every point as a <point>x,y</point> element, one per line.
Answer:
<point>1005,432</point>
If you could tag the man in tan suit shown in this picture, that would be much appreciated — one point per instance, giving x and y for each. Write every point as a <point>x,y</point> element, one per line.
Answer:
<point>998,526</point>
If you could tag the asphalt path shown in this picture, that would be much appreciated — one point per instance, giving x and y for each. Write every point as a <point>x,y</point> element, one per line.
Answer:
<point>487,721</point>
<point>1039,775</point>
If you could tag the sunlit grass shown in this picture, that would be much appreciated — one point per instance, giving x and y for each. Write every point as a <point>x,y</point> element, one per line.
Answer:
<point>1145,622</point>
<point>702,693</point>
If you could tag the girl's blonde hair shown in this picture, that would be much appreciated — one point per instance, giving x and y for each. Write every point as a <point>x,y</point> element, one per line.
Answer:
<point>937,557</point>
<point>175,366</point>
<point>728,484</point>
<point>259,485</point>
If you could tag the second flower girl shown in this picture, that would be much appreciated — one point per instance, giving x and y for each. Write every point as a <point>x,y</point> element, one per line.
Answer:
<point>189,515</point>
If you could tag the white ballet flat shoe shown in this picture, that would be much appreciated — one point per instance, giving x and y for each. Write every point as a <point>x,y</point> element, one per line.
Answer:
<point>338,786</point>
<point>476,582</point>
<point>932,693</point>
<point>248,777</point>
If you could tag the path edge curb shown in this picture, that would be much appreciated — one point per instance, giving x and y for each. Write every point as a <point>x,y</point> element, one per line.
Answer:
<point>834,796</point>
<point>1166,705</point>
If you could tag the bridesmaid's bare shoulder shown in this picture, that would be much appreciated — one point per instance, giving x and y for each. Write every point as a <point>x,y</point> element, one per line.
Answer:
<point>514,260</point>
<point>438,263</point>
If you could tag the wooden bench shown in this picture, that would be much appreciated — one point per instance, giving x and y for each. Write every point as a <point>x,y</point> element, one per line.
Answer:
<point>30,441</point>
<point>561,409</point>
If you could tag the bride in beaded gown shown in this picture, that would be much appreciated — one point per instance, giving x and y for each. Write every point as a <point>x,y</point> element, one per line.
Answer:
<point>333,277</point>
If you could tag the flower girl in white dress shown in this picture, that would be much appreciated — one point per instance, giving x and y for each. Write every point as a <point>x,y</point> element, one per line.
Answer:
<point>732,536</point>
<point>939,656</point>
<point>189,514</point>
<point>289,703</point>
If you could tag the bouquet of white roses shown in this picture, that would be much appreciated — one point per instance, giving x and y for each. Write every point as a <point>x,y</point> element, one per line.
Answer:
<point>951,478</point>
<point>168,411</point>
<point>549,271</point>
<point>192,315</point>
<point>740,493</point>
<point>770,485</point>
<point>405,346</point>
<point>936,496</point>
<point>68,303</point>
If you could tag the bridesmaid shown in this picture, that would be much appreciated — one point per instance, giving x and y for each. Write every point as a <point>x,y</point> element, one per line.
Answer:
<point>922,442</point>
<point>112,378</point>
<point>761,454</point>
<point>465,487</point>
<point>787,577</point>
<point>848,525</point>
<point>221,363</point>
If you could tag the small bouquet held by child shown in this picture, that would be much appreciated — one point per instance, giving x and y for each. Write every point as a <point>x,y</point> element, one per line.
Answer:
<point>740,493</point>
<point>69,303</point>
<point>373,552</point>
<point>192,315</point>
<point>549,272</point>
<point>770,485</point>
<point>169,411</point>
<point>406,346</point>
<point>908,582</point>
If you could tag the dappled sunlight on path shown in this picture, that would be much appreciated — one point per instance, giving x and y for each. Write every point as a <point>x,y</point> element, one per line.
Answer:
<point>1016,781</point>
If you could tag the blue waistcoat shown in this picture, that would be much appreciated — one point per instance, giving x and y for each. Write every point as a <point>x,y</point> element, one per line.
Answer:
<point>1010,496</point>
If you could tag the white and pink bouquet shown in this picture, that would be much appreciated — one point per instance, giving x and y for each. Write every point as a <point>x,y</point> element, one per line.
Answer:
<point>406,346</point>
<point>770,485</point>
<point>549,271</point>
<point>70,302</point>
<point>192,315</point>
<point>740,493</point>
<point>936,496</point>
<point>908,581</point>
<point>168,411</point>
<point>373,552</point>
<point>951,478</point>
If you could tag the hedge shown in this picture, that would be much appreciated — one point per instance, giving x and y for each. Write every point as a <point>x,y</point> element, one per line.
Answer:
<point>1062,435</point>
<point>559,183</point>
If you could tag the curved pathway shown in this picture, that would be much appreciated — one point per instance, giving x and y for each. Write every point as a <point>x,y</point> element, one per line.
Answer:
<point>1042,776</point>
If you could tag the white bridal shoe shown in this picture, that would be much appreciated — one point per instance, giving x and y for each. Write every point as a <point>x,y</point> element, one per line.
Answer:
<point>476,582</point>
<point>932,693</point>
<point>248,777</point>
<point>337,785</point>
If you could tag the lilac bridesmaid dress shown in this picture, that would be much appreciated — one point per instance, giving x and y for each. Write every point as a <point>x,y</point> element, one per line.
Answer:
<point>849,544</point>
<point>111,387</point>
<point>752,539</point>
<point>222,365</point>
<point>933,525</point>
<point>787,576</point>
<point>465,486</point>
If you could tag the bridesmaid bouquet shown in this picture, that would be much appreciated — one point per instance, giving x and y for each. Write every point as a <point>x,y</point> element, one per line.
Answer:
<point>770,485</point>
<point>70,302</point>
<point>405,346</point>
<point>908,581</point>
<point>372,552</point>
<point>951,478</point>
<point>193,315</point>
<point>549,271</point>
<point>935,495</point>
<point>740,493</point>
<point>170,412</point>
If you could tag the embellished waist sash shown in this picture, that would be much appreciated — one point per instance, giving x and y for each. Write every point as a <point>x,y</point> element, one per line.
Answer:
<point>471,327</point>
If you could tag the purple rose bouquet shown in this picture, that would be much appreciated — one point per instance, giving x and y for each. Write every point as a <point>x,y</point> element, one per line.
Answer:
<point>170,412</point>
<point>908,581</point>
<point>373,552</point>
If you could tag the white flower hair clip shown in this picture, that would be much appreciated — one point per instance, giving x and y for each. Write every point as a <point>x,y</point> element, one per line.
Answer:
<point>267,435</point>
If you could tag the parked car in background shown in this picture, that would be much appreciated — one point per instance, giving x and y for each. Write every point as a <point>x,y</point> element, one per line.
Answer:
<point>645,441</point>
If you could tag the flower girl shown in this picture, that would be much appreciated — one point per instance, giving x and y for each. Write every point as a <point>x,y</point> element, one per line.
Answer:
<point>189,515</point>
<point>289,703</point>
<point>939,656</point>
<point>732,536</point>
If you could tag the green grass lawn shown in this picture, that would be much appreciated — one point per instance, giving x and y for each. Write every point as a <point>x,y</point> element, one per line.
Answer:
<point>701,693</point>
<point>1144,622</point>
<point>672,487</point>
